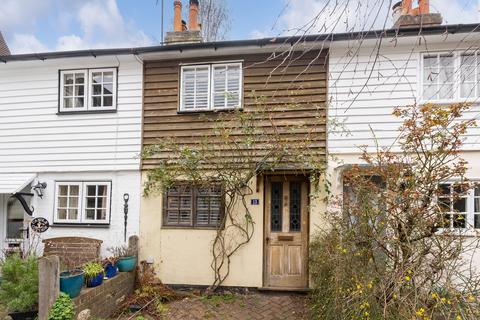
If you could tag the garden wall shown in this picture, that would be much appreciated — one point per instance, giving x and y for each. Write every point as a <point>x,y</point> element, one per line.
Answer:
<point>106,299</point>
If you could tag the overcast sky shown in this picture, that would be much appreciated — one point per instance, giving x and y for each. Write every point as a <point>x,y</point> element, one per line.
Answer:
<point>50,25</point>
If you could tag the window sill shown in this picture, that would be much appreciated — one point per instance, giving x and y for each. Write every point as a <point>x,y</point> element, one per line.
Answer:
<point>81,225</point>
<point>209,111</point>
<point>86,112</point>
<point>190,228</point>
<point>447,102</point>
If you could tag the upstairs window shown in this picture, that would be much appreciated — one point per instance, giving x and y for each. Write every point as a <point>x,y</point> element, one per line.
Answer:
<point>88,90</point>
<point>450,76</point>
<point>211,87</point>
<point>190,206</point>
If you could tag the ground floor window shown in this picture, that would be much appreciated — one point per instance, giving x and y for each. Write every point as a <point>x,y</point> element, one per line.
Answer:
<point>460,207</point>
<point>82,202</point>
<point>190,206</point>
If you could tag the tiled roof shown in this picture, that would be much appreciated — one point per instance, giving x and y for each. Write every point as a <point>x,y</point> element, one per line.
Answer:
<point>4,51</point>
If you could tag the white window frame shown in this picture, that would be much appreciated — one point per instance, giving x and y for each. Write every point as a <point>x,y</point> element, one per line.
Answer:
<point>210,85</point>
<point>182,99</point>
<point>456,76</point>
<point>82,202</point>
<point>469,229</point>
<point>88,91</point>
<point>62,87</point>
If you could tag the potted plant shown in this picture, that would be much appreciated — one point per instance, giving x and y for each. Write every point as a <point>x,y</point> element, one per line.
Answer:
<point>93,274</point>
<point>62,309</point>
<point>110,267</point>
<point>19,287</point>
<point>126,256</point>
<point>71,280</point>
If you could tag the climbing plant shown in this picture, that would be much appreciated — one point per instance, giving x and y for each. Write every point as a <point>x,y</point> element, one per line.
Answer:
<point>240,146</point>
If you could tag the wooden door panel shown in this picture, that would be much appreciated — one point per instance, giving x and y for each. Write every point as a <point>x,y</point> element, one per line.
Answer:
<point>286,232</point>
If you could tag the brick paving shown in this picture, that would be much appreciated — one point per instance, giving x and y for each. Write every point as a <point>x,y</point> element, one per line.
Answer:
<point>253,306</point>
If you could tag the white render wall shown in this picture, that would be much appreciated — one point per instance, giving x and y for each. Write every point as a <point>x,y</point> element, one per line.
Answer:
<point>112,235</point>
<point>364,90</point>
<point>34,138</point>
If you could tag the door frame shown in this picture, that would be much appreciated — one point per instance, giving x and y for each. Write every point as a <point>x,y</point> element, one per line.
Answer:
<point>287,174</point>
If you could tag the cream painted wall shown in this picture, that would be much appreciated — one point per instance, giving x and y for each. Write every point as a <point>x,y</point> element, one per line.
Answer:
<point>183,256</point>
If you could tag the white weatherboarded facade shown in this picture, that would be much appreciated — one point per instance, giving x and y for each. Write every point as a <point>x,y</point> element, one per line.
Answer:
<point>88,160</point>
<point>364,89</point>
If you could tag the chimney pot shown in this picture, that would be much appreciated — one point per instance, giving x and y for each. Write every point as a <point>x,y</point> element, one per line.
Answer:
<point>193,24</point>
<point>415,17</point>
<point>177,17</point>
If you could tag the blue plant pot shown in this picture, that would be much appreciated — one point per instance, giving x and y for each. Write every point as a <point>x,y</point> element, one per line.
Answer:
<point>71,282</point>
<point>110,270</point>
<point>127,264</point>
<point>95,281</point>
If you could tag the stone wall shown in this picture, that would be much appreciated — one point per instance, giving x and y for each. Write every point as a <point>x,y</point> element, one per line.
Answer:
<point>73,251</point>
<point>105,300</point>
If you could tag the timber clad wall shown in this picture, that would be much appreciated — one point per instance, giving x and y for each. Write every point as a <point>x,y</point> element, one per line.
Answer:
<point>297,94</point>
<point>34,138</point>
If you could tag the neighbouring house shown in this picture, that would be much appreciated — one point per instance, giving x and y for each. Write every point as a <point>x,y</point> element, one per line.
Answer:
<point>70,135</point>
<point>421,62</point>
<point>4,51</point>
<point>187,84</point>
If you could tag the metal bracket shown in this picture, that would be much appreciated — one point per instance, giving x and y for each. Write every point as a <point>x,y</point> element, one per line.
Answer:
<point>20,197</point>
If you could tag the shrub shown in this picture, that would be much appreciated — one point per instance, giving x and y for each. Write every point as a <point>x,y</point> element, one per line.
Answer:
<point>19,286</point>
<point>92,269</point>
<point>62,309</point>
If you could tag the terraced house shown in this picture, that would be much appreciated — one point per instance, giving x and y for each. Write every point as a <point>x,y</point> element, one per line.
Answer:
<point>73,125</point>
<point>70,135</point>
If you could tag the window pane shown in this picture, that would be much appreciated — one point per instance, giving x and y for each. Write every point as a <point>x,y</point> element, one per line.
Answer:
<point>73,202</point>
<point>108,89</point>
<point>63,190</point>
<point>107,101</point>
<point>68,103</point>
<point>79,102</point>
<point>477,221</point>
<point>97,89</point>
<point>79,90</point>
<point>97,77</point>
<point>202,218</point>
<point>97,101</point>
<point>459,220</point>
<point>62,202</point>
<point>460,205</point>
<point>276,206</point>
<point>477,204</point>
<point>108,77</point>
<point>68,78</point>
<point>295,206</point>
<point>91,202</point>
<point>62,214</point>
<point>90,214</point>
<point>79,78</point>
<point>72,214</point>
<point>74,190</point>
<point>101,202</point>
<point>101,214</point>
<point>68,91</point>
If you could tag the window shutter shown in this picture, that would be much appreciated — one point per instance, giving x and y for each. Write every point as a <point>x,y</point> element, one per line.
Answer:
<point>195,88</point>
<point>226,86</point>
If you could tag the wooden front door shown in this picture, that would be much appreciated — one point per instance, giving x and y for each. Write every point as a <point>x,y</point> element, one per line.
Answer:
<point>286,232</point>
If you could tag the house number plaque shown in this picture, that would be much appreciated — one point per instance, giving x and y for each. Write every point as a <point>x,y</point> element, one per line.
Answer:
<point>39,225</point>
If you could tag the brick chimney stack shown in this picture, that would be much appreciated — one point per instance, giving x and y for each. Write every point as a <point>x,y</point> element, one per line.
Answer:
<point>183,32</point>
<point>406,16</point>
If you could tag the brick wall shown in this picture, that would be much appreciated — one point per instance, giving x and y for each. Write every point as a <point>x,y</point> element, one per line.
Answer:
<point>73,251</point>
<point>105,300</point>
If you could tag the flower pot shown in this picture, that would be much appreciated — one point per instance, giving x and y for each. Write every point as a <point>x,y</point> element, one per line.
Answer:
<point>127,264</point>
<point>95,281</point>
<point>29,315</point>
<point>71,282</point>
<point>110,270</point>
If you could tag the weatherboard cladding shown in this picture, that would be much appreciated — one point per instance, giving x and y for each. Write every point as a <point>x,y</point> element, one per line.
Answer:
<point>363,92</point>
<point>297,93</point>
<point>35,138</point>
